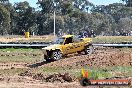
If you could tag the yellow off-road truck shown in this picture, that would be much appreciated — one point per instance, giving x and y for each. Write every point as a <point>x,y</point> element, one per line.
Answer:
<point>65,45</point>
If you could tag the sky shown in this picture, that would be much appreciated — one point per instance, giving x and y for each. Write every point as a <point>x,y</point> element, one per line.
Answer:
<point>104,2</point>
<point>95,2</point>
<point>31,2</point>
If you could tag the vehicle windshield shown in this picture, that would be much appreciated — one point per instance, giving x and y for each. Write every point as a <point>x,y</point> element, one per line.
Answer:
<point>59,41</point>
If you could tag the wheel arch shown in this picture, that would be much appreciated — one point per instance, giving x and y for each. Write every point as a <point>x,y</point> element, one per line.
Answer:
<point>57,49</point>
<point>88,44</point>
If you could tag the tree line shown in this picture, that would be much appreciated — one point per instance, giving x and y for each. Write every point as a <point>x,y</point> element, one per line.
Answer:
<point>72,16</point>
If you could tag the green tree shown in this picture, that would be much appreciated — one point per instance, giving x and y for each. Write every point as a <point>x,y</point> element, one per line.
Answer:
<point>25,17</point>
<point>125,24</point>
<point>82,4</point>
<point>4,20</point>
<point>128,2</point>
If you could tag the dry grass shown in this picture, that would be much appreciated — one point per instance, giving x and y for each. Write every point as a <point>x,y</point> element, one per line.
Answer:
<point>17,38</point>
<point>112,39</point>
<point>48,38</point>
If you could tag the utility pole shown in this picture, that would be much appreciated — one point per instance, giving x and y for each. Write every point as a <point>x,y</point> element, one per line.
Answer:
<point>54,17</point>
<point>39,1</point>
<point>54,22</point>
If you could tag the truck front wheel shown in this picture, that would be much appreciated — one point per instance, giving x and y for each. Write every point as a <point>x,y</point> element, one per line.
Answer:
<point>56,55</point>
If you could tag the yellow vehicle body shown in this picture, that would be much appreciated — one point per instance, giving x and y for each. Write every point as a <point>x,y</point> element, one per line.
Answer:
<point>74,44</point>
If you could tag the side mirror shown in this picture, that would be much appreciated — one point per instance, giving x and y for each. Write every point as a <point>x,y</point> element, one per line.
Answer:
<point>65,43</point>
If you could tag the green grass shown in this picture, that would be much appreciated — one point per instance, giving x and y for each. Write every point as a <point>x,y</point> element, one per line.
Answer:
<point>20,50</point>
<point>26,59</point>
<point>94,74</point>
<point>102,73</point>
<point>98,73</point>
<point>20,55</point>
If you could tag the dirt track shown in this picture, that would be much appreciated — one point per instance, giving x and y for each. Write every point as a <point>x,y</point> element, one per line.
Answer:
<point>27,82</point>
<point>102,57</point>
<point>11,65</point>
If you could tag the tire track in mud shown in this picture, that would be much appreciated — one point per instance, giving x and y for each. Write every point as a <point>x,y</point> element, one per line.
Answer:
<point>101,57</point>
<point>12,65</point>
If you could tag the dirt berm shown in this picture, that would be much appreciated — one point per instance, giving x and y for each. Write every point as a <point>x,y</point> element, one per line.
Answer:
<point>101,57</point>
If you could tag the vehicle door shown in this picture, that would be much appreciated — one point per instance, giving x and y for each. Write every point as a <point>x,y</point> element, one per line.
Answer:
<point>78,44</point>
<point>68,46</point>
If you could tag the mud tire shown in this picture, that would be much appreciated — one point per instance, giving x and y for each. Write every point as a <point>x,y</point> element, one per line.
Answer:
<point>56,55</point>
<point>88,49</point>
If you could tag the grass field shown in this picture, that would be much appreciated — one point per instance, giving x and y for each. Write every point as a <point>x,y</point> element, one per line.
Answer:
<point>108,72</point>
<point>17,38</point>
<point>49,38</point>
<point>20,55</point>
<point>112,39</point>
<point>32,56</point>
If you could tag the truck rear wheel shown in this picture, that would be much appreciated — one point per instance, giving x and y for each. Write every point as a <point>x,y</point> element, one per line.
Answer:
<point>88,49</point>
<point>79,52</point>
<point>56,55</point>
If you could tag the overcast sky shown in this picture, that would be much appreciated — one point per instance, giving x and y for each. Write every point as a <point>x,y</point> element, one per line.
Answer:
<point>96,2</point>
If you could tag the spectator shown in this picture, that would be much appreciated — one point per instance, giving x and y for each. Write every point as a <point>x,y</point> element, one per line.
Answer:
<point>85,34</point>
<point>131,33</point>
<point>80,34</point>
<point>92,33</point>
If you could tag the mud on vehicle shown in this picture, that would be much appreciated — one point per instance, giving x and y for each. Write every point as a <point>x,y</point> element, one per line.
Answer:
<point>67,44</point>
